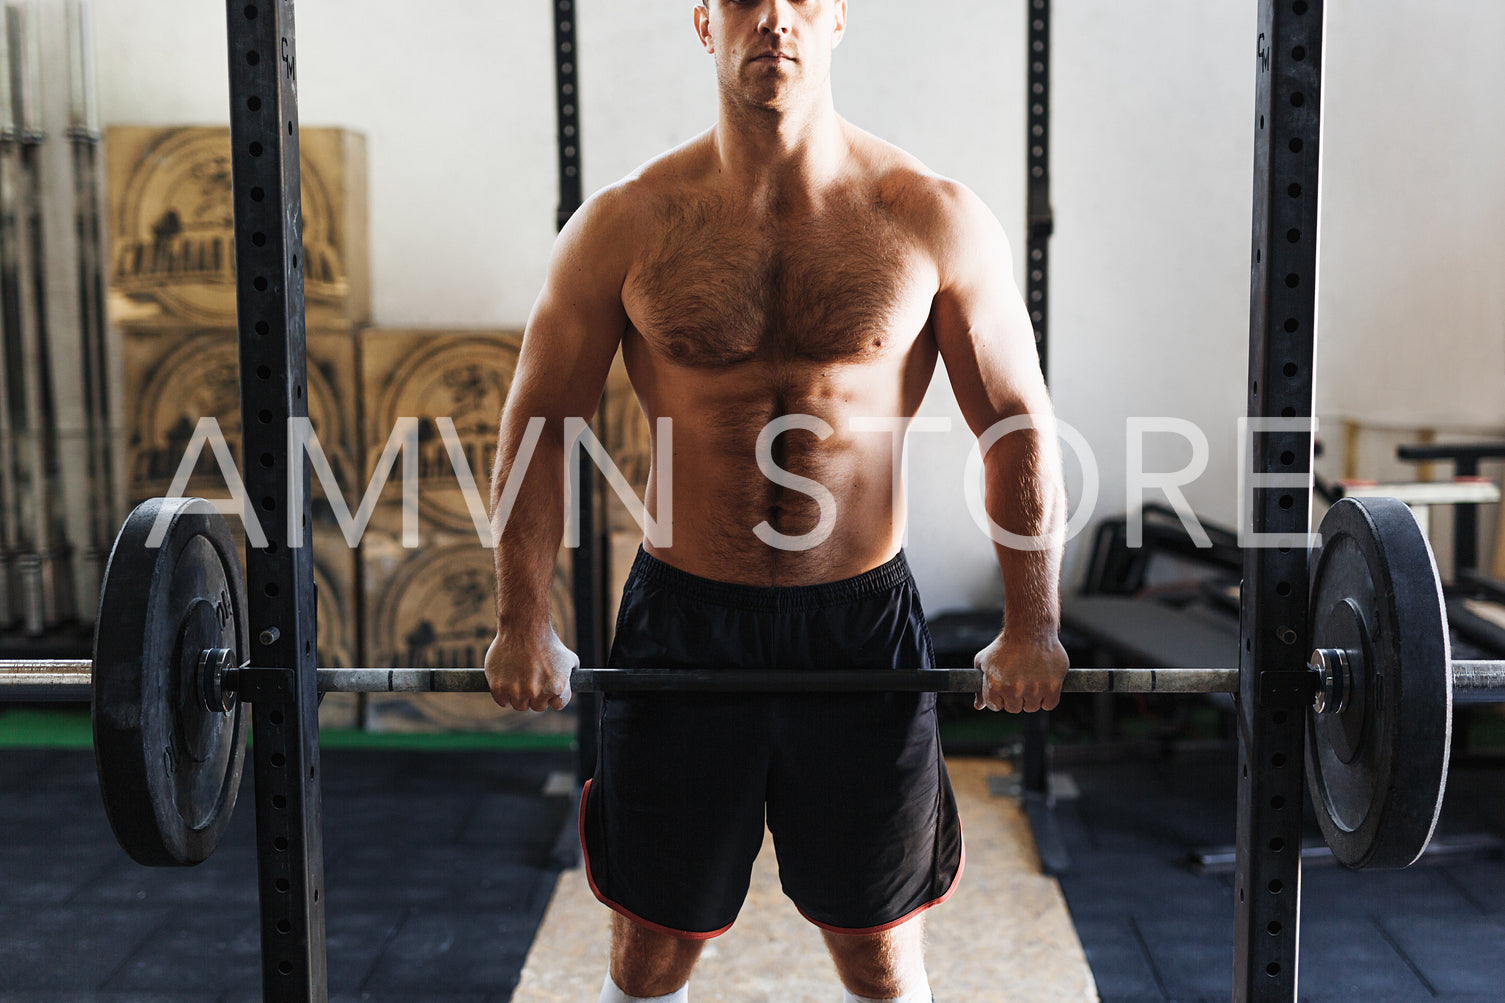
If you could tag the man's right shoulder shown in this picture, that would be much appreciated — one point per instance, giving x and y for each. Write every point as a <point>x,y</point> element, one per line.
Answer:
<point>631,205</point>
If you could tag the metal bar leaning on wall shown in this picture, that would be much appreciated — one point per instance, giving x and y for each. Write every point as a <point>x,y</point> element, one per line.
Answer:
<point>41,578</point>
<point>84,137</point>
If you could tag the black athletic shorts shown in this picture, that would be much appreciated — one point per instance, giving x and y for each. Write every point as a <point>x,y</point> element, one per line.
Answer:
<point>852,786</point>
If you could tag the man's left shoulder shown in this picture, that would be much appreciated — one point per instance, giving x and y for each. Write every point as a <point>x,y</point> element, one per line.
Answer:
<point>927,201</point>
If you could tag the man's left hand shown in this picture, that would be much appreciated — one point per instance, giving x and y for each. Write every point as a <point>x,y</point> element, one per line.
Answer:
<point>1021,674</point>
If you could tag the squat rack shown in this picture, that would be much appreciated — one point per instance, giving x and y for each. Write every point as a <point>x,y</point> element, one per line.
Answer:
<point>269,292</point>
<point>1282,353</point>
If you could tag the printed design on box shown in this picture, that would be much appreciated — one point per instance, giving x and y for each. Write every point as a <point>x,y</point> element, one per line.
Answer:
<point>173,230</point>
<point>438,611</point>
<point>466,381</point>
<point>201,378</point>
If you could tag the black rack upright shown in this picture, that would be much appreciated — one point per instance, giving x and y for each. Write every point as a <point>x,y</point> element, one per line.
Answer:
<point>1282,351</point>
<point>279,577</point>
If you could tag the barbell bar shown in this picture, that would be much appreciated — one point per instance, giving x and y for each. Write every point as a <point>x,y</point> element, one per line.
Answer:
<point>170,679</point>
<point>71,680</point>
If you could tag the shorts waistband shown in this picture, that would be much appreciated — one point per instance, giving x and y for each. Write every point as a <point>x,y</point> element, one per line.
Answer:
<point>886,577</point>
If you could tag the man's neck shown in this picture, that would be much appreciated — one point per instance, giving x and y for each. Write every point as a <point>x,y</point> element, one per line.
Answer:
<point>781,150</point>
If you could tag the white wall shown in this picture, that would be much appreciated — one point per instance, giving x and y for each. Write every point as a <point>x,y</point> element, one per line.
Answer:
<point>1153,128</point>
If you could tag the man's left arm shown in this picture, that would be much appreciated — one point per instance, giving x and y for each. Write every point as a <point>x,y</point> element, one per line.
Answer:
<point>985,338</point>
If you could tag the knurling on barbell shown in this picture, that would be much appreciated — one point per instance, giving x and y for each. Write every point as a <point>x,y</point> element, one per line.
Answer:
<point>169,738</point>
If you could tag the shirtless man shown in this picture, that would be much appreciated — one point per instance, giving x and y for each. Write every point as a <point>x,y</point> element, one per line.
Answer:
<point>785,263</point>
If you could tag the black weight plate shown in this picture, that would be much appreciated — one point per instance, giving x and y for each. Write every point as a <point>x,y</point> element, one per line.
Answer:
<point>169,768</point>
<point>1376,771</point>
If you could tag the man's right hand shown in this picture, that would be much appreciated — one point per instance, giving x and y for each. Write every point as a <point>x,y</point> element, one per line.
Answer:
<point>530,675</point>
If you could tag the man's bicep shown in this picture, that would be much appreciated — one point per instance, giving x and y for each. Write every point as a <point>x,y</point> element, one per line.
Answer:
<point>981,325</point>
<point>575,327</point>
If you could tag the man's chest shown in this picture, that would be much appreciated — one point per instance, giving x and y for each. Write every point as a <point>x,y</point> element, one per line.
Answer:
<point>709,292</point>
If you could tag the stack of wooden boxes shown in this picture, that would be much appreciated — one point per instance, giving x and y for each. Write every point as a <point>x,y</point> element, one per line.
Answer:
<point>172,300</point>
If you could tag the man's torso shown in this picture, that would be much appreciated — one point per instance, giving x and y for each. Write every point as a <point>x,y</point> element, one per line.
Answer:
<point>746,307</point>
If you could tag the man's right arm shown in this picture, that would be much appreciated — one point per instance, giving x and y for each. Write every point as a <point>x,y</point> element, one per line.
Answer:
<point>568,346</point>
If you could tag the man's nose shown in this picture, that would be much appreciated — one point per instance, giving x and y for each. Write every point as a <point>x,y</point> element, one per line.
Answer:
<point>776,17</point>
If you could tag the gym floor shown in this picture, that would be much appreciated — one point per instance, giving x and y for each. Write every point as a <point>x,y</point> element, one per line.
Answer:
<point>1153,929</point>
<point>438,876</point>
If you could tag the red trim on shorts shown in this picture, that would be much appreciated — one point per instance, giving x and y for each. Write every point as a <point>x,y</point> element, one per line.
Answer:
<point>614,907</point>
<point>961,865</point>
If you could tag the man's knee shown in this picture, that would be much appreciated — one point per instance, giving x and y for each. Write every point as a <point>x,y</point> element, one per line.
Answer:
<point>645,963</point>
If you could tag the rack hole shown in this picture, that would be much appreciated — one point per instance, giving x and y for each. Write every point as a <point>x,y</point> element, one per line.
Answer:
<point>275,717</point>
<point>253,57</point>
<point>257,149</point>
<point>264,416</point>
<point>257,194</point>
<point>1292,325</point>
<point>253,102</point>
<point>1274,928</point>
<point>282,885</point>
<point>280,842</point>
<point>260,283</point>
<point>1290,370</point>
<point>1287,458</point>
<point>1294,191</point>
<point>263,328</point>
<point>1298,53</point>
<point>1272,969</point>
<point>278,760</point>
<point>1288,412</point>
<point>1299,6</point>
<point>283,926</point>
<point>1277,844</point>
<point>1275,886</point>
<point>264,372</point>
<point>1278,760</point>
<point>271,590</point>
<point>269,504</point>
<point>279,801</point>
<point>1297,145</point>
<point>1286,501</point>
<point>1298,99</point>
<point>250,12</point>
<point>1293,280</point>
<point>1277,802</point>
<point>1293,236</point>
<point>1279,717</point>
<point>286,968</point>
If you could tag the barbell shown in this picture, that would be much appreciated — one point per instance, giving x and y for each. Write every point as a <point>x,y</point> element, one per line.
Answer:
<point>169,678</point>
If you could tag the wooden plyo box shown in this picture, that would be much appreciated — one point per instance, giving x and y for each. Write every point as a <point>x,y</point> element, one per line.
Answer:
<point>434,605</point>
<point>172,258</point>
<point>175,377</point>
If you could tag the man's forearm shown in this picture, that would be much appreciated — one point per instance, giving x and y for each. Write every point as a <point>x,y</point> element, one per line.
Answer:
<point>1026,497</point>
<point>528,532</point>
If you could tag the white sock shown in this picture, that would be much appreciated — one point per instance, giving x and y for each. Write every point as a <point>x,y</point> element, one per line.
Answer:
<point>917,994</point>
<point>612,993</point>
